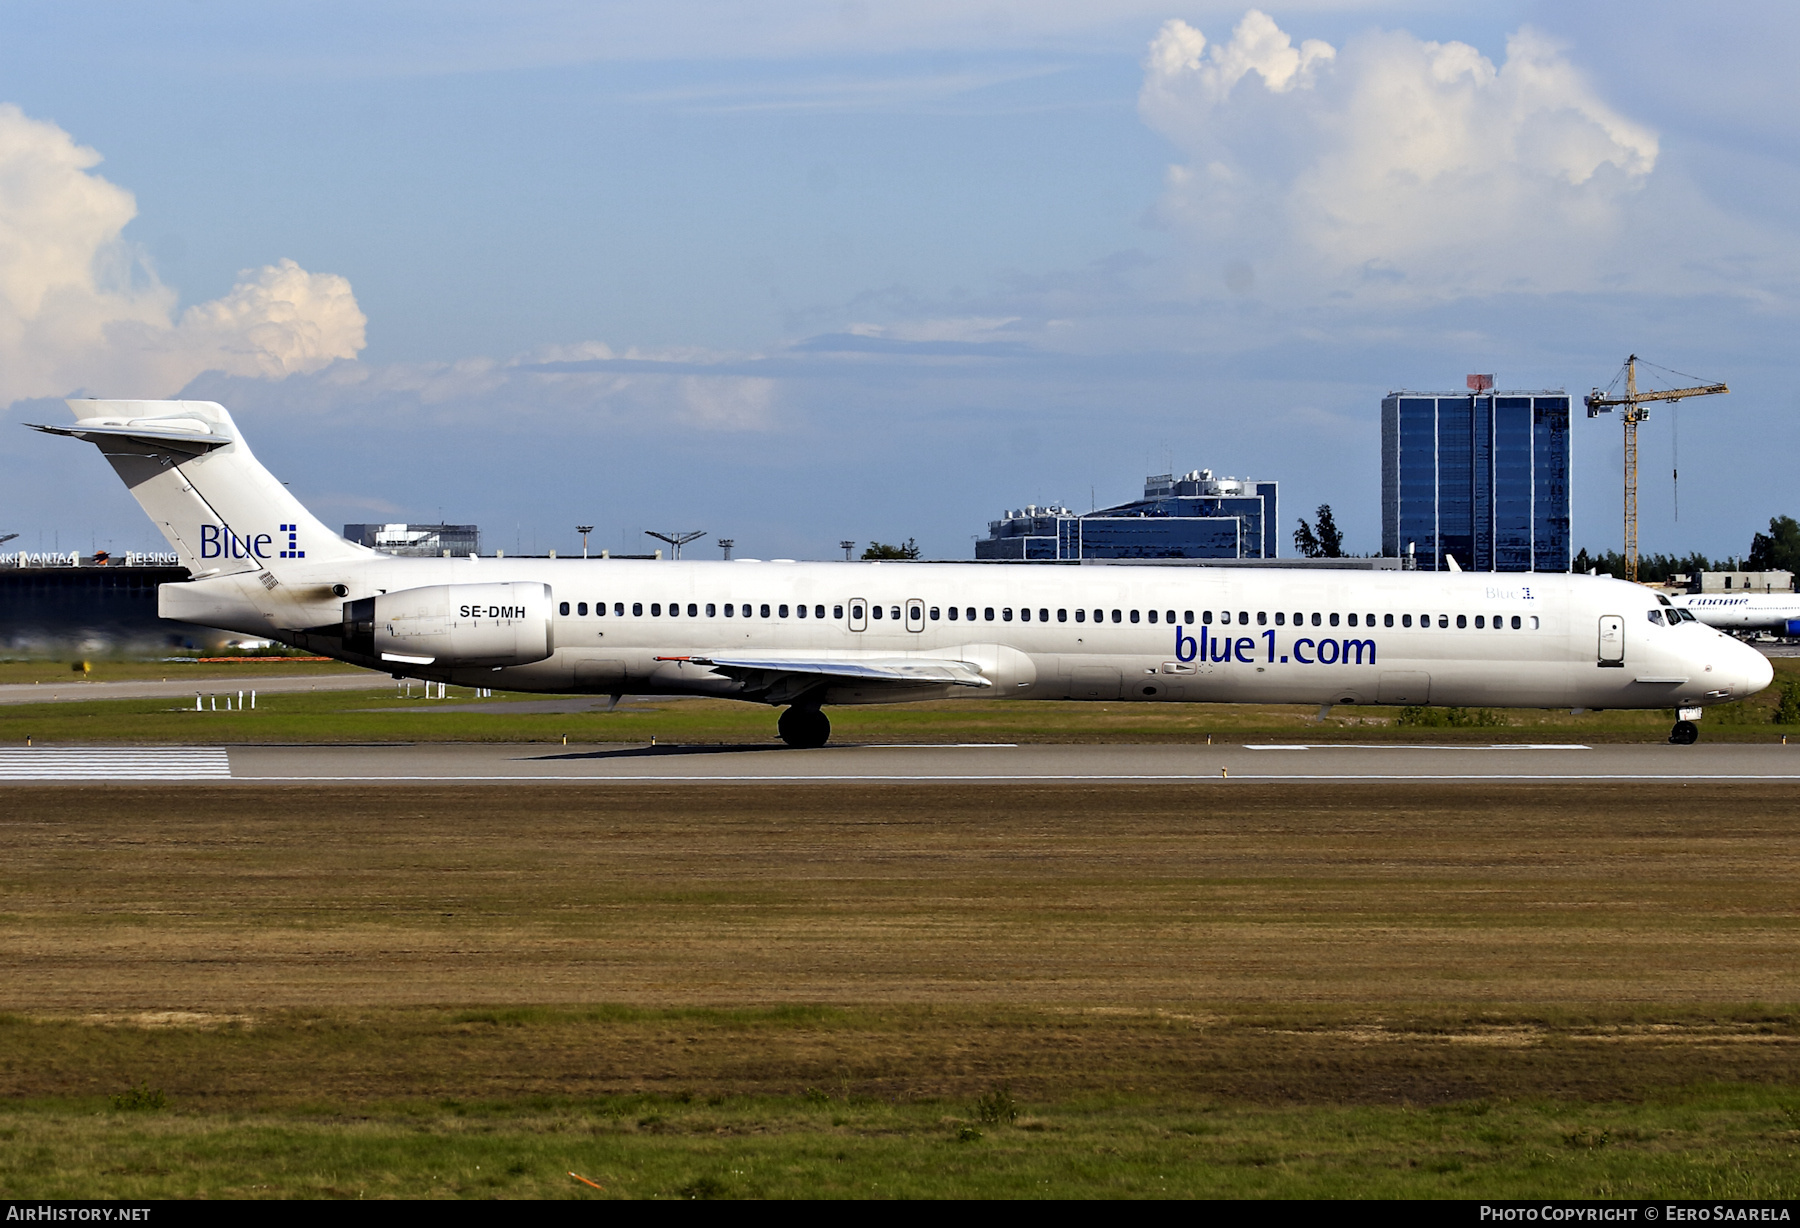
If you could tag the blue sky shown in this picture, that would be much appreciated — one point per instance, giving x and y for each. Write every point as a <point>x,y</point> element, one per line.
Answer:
<point>795,273</point>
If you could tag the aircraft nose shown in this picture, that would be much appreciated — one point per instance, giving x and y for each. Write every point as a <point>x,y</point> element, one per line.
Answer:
<point>1758,672</point>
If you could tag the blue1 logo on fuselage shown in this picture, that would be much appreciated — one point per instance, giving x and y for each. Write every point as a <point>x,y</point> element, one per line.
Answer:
<point>219,542</point>
<point>1220,650</point>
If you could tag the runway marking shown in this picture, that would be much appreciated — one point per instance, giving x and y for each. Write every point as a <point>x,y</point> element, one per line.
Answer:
<point>1018,778</point>
<point>1407,746</point>
<point>115,763</point>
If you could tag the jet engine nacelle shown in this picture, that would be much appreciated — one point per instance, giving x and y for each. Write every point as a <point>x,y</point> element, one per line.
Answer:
<point>453,624</point>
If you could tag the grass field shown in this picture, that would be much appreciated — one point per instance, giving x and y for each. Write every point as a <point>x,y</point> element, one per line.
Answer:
<point>385,713</point>
<point>758,990</point>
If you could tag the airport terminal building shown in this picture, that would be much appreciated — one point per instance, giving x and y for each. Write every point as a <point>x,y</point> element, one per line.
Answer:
<point>1187,516</point>
<point>1479,477</point>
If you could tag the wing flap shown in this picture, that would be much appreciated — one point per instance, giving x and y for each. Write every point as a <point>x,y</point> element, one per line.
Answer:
<point>907,671</point>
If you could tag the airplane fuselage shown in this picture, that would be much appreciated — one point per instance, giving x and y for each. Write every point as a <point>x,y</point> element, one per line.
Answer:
<point>1046,631</point>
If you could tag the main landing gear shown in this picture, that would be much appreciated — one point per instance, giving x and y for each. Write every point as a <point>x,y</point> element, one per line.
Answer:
<point>804,728</point>
<point>1685,733</point>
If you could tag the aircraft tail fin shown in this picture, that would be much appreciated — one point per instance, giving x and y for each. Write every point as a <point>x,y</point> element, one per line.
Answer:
<point>194,475</point>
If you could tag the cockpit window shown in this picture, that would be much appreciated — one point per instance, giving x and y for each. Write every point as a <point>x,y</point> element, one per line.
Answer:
<point>1654,616</point>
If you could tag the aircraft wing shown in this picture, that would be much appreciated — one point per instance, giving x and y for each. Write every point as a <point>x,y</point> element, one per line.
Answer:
<point>902,671</point>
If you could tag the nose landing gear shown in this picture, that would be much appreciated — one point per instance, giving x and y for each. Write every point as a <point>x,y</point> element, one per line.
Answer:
<point>804,728</point>
<point>1685,733</point>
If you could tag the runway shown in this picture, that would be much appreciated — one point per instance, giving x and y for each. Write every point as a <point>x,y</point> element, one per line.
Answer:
<point>439,763</point>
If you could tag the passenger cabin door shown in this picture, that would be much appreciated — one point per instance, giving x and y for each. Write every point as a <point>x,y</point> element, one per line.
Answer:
<point>915,614</point>
<point>859,614</point>
<point>1612,640</point>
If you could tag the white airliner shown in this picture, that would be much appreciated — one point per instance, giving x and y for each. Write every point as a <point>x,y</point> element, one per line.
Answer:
<point>1777,612</point>
<point>804,635</point>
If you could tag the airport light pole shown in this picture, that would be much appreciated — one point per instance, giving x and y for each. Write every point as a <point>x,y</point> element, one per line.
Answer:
<point>584,530</point>
<point>725,544</point>
<point>677,540</point>
<point>846,547</point>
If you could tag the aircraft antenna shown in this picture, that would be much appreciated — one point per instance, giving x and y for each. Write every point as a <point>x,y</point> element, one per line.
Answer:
<point>677,540</point>
<point>1633,404</point>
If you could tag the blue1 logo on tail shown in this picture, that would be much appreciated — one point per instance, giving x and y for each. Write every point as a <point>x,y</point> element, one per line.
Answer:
<point>219,542</point>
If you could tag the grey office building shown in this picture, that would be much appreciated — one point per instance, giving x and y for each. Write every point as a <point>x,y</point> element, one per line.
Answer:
<point>1187,516</point>
<point>1479,477</point>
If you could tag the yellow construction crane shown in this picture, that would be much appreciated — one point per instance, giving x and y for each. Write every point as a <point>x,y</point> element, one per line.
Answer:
<point>1633,403</point>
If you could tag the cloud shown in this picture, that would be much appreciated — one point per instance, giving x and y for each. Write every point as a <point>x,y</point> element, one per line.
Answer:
<point>80,310</point>
<point>577,388</point>
<point>1394,167</point>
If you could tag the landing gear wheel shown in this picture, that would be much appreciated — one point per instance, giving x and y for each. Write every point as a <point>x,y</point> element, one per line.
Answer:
<point>804,728</point>
<point>1685,733</point>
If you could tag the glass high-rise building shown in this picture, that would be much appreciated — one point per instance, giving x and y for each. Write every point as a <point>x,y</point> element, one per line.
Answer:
<point>1479,477</point>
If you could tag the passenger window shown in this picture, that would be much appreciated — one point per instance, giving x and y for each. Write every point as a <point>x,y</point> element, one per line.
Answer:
<point>1152,616</point>
<point>1043,615</point>
<point>1334,620</point>
<point>1353,620</point>
<point>990,613</point>
<point>1405,620</point>
<point>916,614</point>
<point>782,611</point>
<point>619,609</point>
<point>894,613</point>
<point>563,608</point>
<point>1062,616</point>
<point>969,613</point>
<point>637,609</point>
<point>1387,620</point>
<point>1006,614</point>
<point>856,613</point>
<point>818,611</point>
<point>712,611</point>
<point>1480,622</point>
<point>1515,622</point>
<point>1262,618</point>
<point>1534,622</point>
<point>1443,621</point>
<point>1243,618</point>
<point>1080,616</point>
<point>953,613</point>
<point>934,613</point>
<point>693,610</point>
<point>1280,619</point>
<point>729,608</point>
<point>876,611</point>
<point>655,609</point>
<point>1134,616</point>
<point>1315,620</point>
<point>837,611</point>
<point>800,610</point>
<point>1206,617</point>
<point>1117,617</point>
<point>1025,614</point>
<point>1187,616</point>
<point>765,611</point>
<point>1099,616</point>
<point>581,608</point>
<point>1462,620</point>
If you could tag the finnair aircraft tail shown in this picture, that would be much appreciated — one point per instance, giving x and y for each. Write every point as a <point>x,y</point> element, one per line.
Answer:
<point>807,635</point>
